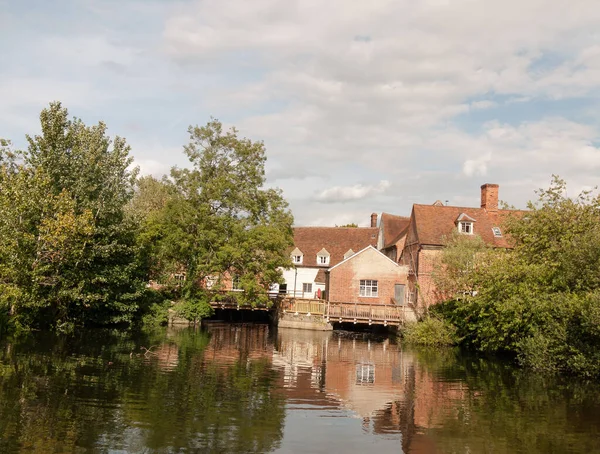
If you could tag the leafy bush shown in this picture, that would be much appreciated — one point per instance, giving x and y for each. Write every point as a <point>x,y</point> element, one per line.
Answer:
<point>539,301</point>
<point>431,331</point>
<point>193,308</point>
<point>154,308</point>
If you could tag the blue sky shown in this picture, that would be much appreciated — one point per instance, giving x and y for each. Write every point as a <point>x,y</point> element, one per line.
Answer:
<point>363,106</point>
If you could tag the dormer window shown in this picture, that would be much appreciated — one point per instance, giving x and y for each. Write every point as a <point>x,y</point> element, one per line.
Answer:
<point>465,224</point>
<point>465,227</point>
<point>297,256</point>
<point>323,257</point>
<point>349,253</point>
<point>497,232</point>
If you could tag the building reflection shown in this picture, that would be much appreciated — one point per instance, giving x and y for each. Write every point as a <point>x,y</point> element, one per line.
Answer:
<point>377,382</point>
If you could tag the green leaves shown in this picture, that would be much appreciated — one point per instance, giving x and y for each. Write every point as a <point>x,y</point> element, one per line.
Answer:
<point>540,300</point>
<point>216,220</point>
<point>66,246</point>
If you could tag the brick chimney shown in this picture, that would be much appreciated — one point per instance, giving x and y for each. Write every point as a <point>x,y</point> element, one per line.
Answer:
<point>489,197</point>
<point>374,220</point>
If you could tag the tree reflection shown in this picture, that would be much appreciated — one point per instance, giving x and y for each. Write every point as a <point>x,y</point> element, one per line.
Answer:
<point>100,390</point>
<point>460,403</point>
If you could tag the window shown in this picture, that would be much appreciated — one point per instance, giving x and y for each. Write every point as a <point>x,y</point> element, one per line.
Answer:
<point>297,258</point>
<point>211,281</point>
<point>465,227</point>
<point>235,283</point>
<point>307,287</point>
<point>368,288</point>
<point>497,231</point>
<point>323,257</point>
<point>365,374</point>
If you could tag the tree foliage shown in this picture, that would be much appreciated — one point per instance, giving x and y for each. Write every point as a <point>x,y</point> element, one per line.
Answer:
<point>541,300</point>
<point>67,250</point>
<point>455,271</point>
<point>219,222</point>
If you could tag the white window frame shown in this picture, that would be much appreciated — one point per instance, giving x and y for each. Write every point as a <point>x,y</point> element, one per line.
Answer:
<point>297,259</point>
<point>465,227</point>
<point>369,288</point>
<point>235,283</point>
<point>323,260</point>
<point>497,232</point>
<point>210,281</point>
<point>365,374</point>
<point>307,287</point>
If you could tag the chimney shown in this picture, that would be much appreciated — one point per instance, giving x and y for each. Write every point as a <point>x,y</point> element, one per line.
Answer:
<point>489,197</point>
<point>374,220</point>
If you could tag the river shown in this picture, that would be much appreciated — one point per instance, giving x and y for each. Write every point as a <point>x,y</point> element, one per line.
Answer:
<point>247,388</point>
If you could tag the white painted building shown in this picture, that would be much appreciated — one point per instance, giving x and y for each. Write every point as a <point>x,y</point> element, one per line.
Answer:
<point>315,250</point>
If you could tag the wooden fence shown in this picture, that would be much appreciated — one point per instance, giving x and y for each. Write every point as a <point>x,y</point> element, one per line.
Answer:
<point>377,314</point>
<point>372,314</point>
<point>305,306</point>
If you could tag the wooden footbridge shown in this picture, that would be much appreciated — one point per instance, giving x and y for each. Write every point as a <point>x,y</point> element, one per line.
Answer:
<point>356,313</point>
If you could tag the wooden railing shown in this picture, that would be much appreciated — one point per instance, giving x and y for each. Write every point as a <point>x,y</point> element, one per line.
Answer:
<point>359,313</point>
<point>304,306</point>
<point>386,314</point>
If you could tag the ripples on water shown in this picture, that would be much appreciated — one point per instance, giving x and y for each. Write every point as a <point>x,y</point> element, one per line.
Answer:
<point>245,388</point>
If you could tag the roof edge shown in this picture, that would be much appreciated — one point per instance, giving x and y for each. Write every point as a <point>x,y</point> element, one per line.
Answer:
<point>360,252</point>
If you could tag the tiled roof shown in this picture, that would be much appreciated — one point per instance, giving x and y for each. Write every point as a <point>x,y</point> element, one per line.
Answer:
<point>394,227</point>
<point>320,277</point>
<point>434,223</point>
<point>336,240</point>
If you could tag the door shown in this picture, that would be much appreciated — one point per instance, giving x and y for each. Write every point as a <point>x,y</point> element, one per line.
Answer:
<point>399,294</point>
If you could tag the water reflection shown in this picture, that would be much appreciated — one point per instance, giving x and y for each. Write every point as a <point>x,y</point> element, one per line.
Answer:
<point>244,388</point>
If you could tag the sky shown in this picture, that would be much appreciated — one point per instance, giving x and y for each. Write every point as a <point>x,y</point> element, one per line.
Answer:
<point>363,106</point>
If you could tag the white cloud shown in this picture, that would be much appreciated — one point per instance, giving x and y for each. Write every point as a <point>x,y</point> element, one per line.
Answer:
<point>152,167</point>
<point>477,166</point>
<point>483,104</point>
<point>356,192</point>
<point>385,90</point>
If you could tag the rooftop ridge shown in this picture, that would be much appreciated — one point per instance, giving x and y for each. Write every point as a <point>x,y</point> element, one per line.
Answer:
<point>460,207</point>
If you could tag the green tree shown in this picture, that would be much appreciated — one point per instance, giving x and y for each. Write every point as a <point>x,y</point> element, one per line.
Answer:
<point>67,248</point>
<point>222,221</point>
<point>455,271</point>
<point>541,300</point>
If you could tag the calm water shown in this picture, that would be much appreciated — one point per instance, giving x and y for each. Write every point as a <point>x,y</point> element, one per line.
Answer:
<point>244,388</point>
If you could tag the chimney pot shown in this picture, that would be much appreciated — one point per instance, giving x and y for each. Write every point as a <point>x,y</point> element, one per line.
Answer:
<point>374,220</point>
<point>489,197</point>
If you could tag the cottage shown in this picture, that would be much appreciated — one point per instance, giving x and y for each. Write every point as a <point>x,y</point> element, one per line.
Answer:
<point>367,277</point>
<point>430,225</point>
<point>317,249</point>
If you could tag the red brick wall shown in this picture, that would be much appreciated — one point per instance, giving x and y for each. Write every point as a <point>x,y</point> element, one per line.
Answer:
<point>344,280</point>
<point>489,197</point>
<point>428,294</point>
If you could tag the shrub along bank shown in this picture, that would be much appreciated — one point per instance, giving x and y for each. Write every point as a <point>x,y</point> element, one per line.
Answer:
<point>539,301</point>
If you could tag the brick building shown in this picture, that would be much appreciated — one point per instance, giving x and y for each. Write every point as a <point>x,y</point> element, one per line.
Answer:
<point>392,234</point>
<point>428,229</point>
<point>317,249</point>
<point>367,277</point>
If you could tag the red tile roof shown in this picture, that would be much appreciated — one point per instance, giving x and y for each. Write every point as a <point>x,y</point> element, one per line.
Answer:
<point>394,227</point>
<point>434,223</point>
<point>336,240</point>
<point>320,277</point>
